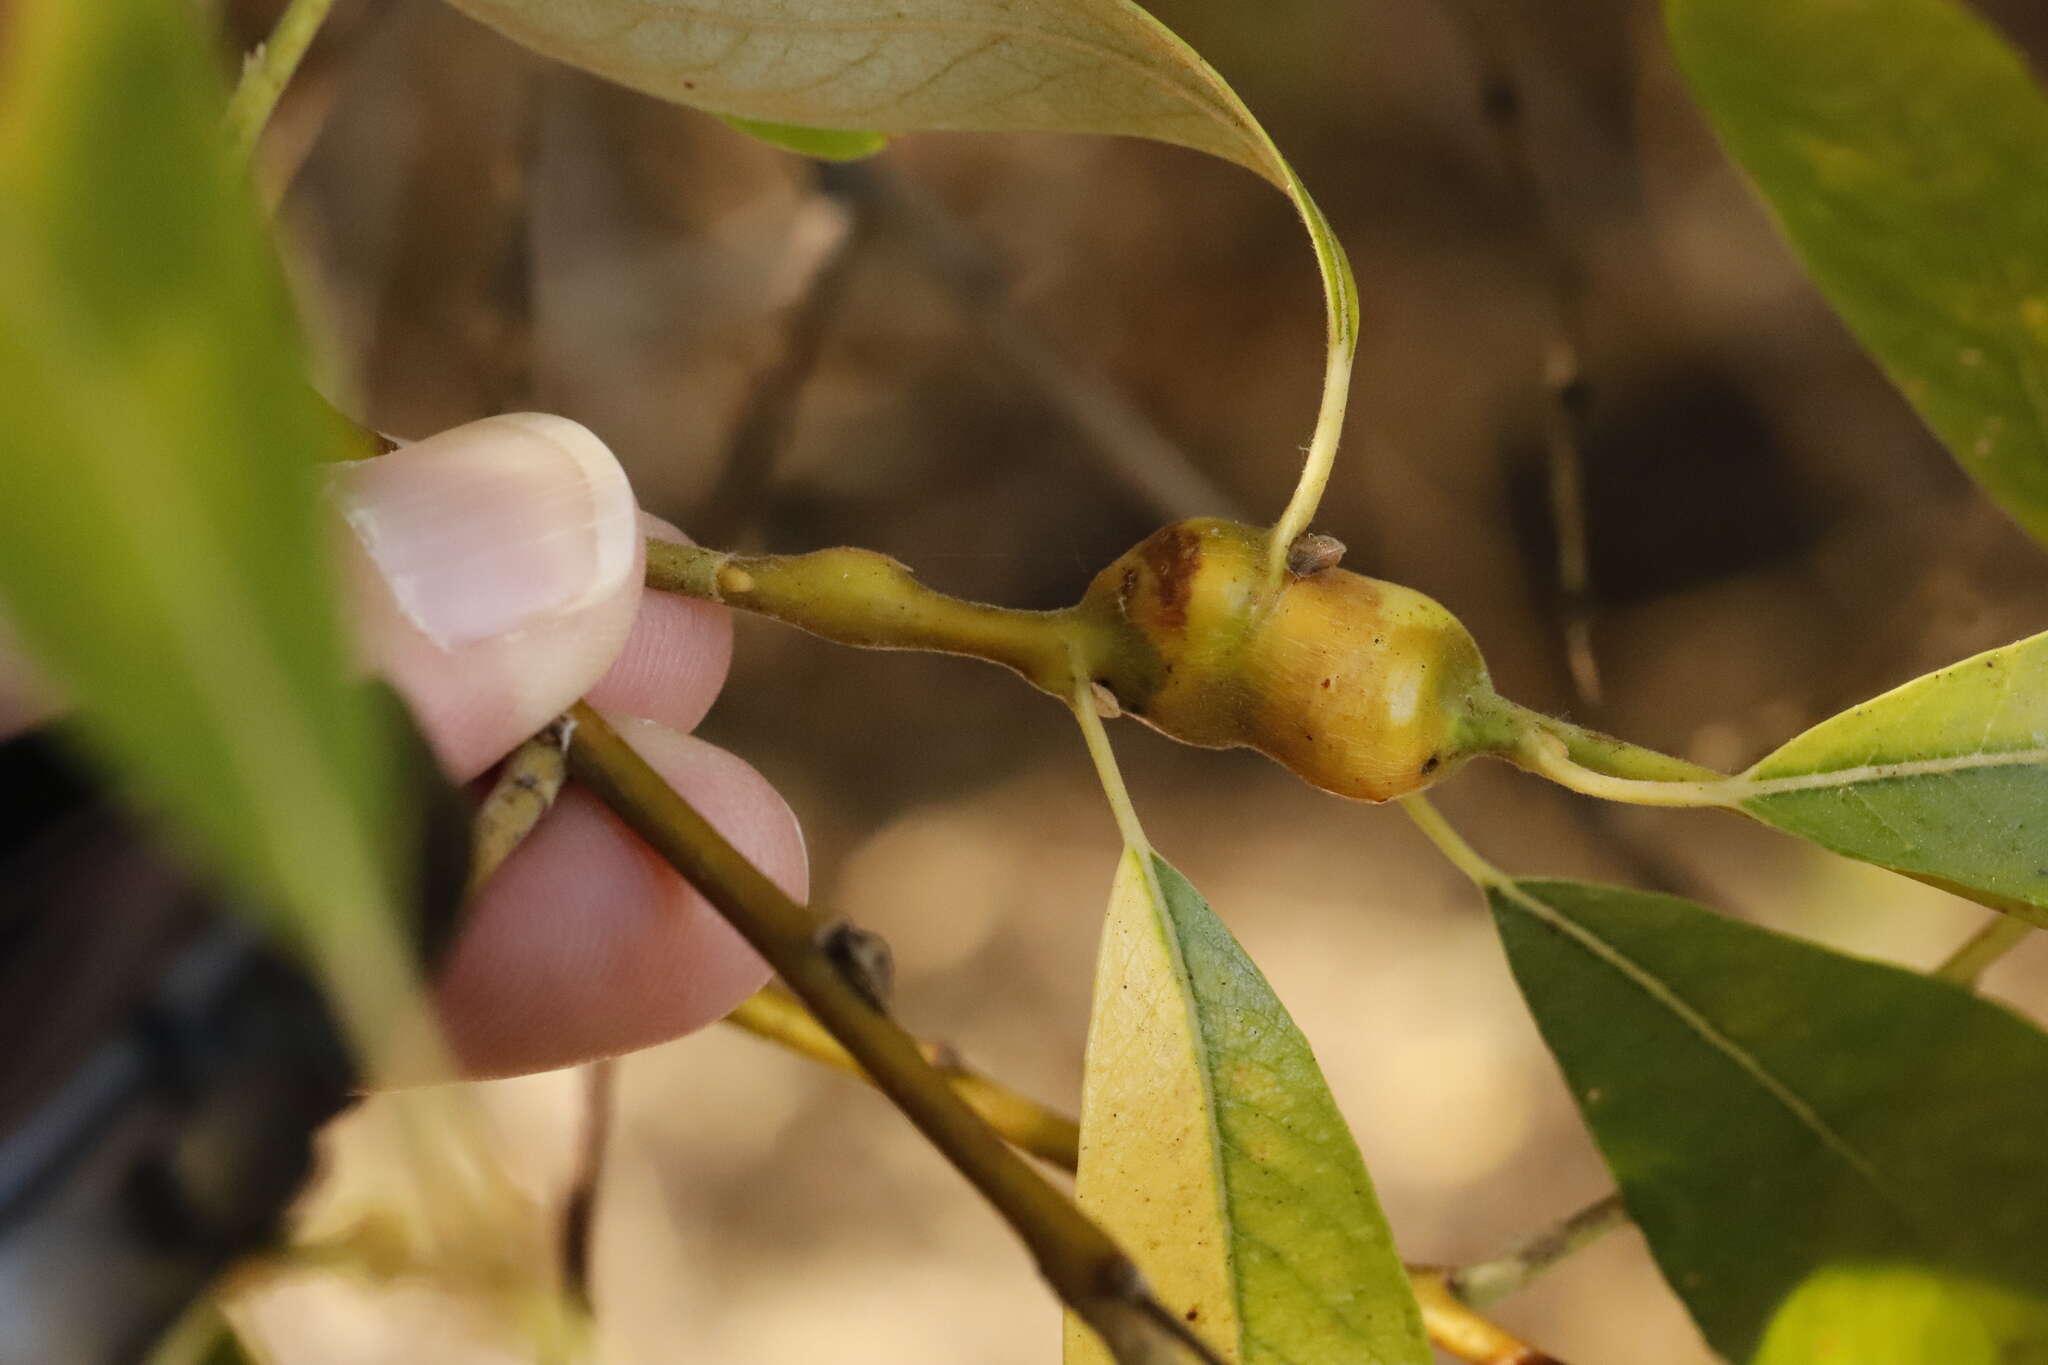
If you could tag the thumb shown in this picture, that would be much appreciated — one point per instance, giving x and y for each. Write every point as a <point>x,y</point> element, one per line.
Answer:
<point>497,568</point>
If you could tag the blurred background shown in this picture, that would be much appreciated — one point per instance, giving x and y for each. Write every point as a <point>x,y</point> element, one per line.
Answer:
<point>1003,359</point>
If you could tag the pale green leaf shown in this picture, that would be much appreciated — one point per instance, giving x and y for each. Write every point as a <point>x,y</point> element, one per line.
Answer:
<point>162,557</point>
<point>1211,1148</point>
<point>1945,778</point>
<point>1893,1315</point>
<point>1902,145</point>
<point>822,144</point>
<point>904,66</point>
<point>1775,1112</point>
<point>901,66</point>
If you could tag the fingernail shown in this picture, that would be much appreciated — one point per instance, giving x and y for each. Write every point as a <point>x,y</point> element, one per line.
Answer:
<point>495,526</point>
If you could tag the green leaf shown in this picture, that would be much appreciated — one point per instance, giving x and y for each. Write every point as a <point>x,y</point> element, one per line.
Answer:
<point>1211,1148</point>
<point>878,67</point>
<point>163,557</point>
<point>1773,1110</point>
<point>1902,144</point>
<point>902,66</point>
<point>822,144</point>
<point>1945,778</point>
<point>1895,1316</point>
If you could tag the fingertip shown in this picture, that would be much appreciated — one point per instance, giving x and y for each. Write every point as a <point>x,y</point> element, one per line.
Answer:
<point>497,571</point>
<point>673,664</point>
<point>585,944</point>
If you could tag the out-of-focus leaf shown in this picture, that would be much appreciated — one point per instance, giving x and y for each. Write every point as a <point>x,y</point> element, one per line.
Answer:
<point>904,66</point>
<point>1902,145</point>
<point>878,67</point>
<point>1211,1148</point>
<point>822,144</point>
<point>1945,778</point>
<point>1773,1110</point>
<point>161,554</point>
<point>1899,1316</point>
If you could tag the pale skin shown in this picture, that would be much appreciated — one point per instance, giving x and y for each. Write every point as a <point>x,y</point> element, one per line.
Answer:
<point>584,944</point>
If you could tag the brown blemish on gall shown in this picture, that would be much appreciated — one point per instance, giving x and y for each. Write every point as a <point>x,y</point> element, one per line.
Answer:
<point>1174,555</point>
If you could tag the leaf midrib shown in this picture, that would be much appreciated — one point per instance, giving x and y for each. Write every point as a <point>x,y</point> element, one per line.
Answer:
<point>1801,1110</point>
<point>1751,788</point>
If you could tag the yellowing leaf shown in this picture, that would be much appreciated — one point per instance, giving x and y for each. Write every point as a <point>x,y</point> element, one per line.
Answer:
<point>1211,1149</point>
<point>1945,778</point>
<point>902,66</point>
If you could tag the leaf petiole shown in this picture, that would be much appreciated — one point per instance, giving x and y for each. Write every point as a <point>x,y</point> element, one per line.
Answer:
<point>267,71</point>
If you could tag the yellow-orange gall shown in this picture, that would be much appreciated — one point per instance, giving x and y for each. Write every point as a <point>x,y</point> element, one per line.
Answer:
<point>1361,687</point>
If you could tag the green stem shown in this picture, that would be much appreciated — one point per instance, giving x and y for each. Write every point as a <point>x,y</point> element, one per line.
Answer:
<point>267,71</point>
<point>865,599</point>
<point>1087,1269</point>
<point>1340,292</point>
<point>1487,1282</point>
<point>1975,955</point>
<point>1450,843</point>
<point>1594,764</point>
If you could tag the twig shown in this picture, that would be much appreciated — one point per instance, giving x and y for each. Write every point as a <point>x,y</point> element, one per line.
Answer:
<point>1974,956</point>
<point>1088,1271</point>
<point>1455,1327</point>
<point>1567,397</point>
<point>579,1212</point>
<point>267,71</point>
<point>762,432</point>
<point>526,788</point>
<point>1486,1282</point>
<point>1134,450</point>
<point>776,1016</point>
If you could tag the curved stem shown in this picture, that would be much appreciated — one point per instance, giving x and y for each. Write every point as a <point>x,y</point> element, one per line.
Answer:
<point>1974,956</point>
<point>1340,295</point>
<point>1317,462</point>
<point>267,71</point>
<point>1594,764</point>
